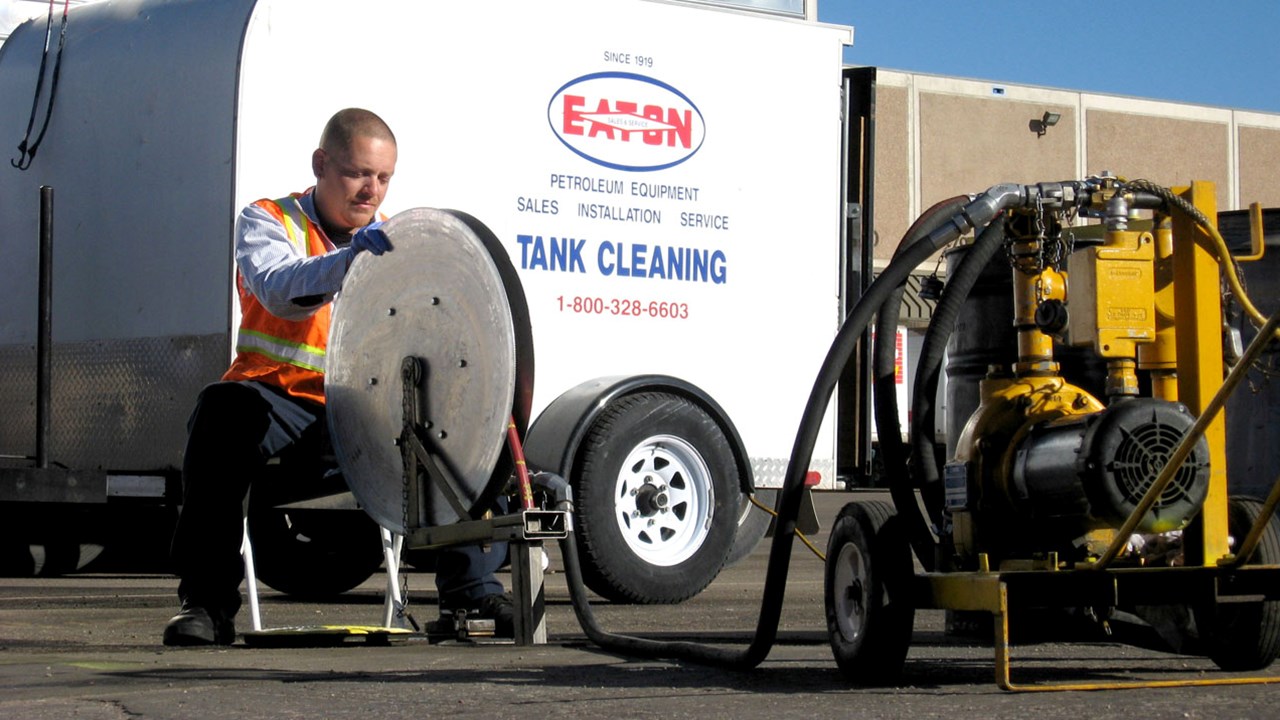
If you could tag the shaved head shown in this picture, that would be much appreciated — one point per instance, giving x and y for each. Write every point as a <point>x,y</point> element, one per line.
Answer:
<point>347,125</point>
<point>353,167</point>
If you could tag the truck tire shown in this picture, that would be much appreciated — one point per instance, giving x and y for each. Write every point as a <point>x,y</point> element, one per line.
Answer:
<point>33,545</point>
<point>867,593</point>
<point>313,553</point>
<point>658,500</point>
<point>753,523</point>
<point>1242,637</point>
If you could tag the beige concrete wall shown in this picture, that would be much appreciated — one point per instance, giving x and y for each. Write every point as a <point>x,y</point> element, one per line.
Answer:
<point>1259,165</point>
<point>968,144</point>
<point>937,137</point>
<point>893,169</point>
<point>1168,151</point>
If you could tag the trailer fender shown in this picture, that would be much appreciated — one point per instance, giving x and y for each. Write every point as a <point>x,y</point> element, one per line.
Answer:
<point>556,435</point>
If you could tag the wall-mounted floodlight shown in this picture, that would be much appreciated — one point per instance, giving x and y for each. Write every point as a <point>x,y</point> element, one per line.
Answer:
<point>1046,121</point>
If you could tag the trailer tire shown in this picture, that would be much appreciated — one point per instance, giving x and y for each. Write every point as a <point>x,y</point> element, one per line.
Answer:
<point>313,553</point>
<point>867,583</point>
<point>658,497</point>
<point>43,559</point>
<point>753,523</point>
<point>1242,637</point>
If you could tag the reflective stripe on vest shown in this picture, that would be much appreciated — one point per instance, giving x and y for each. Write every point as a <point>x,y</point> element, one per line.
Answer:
<point>304,356</point>
<point>295,222</point>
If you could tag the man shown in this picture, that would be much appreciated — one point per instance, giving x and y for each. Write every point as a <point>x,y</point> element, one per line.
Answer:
<point>292,255</point>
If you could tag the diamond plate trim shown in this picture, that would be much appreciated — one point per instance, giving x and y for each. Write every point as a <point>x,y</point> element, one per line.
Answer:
<point>116,404</point>
<point>771,472</point>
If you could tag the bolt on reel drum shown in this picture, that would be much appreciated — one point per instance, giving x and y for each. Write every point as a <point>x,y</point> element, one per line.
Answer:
<point>437,333</point>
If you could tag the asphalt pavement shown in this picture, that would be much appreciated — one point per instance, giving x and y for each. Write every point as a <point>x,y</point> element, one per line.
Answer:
<point>88,646</point>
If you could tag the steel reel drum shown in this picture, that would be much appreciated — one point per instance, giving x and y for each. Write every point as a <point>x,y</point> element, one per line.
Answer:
<point>448,295</point>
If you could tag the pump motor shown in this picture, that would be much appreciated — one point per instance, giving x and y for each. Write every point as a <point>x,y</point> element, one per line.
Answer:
<point>1095,468</point>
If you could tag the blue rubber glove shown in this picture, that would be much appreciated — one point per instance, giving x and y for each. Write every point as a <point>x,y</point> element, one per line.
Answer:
<point>371,238</point>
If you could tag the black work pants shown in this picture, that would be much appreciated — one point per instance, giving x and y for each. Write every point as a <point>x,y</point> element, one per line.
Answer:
<point>235,429</point>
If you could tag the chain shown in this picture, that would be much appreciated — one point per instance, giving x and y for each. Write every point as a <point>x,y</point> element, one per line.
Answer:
<point>1068,242</point>
<point>1026,251</point>
<point>410,373</point>
<point>1040,229</point>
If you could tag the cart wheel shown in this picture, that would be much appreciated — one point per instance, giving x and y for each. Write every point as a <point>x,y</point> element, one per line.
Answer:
<point>869,608</point>
<point>1244,636</point>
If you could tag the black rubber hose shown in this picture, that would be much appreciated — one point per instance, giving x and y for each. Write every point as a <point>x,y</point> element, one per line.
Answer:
<point>789,497</point>
<point>960,282</point>
<point>893,452</point>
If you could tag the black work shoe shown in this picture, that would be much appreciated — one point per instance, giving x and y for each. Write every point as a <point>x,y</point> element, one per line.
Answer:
<point>194,625</point>
<point>499,608</point>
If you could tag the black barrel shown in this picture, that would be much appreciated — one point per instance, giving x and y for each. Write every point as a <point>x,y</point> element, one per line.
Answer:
<point>1253,411</point>
<point>983,336</point>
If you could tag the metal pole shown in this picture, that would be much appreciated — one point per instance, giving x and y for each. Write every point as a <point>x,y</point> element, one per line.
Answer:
<point>44,339</point>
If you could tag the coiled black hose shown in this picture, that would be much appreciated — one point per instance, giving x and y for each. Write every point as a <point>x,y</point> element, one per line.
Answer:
<point>893,453</point>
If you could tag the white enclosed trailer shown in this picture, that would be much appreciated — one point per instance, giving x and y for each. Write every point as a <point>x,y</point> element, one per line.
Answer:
<point>666,177</point>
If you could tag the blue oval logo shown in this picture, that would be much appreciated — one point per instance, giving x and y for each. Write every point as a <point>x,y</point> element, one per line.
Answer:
<point>626,121</point>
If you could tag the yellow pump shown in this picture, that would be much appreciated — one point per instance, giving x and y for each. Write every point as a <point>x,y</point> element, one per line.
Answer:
<point>1046,465</point>
<point>1055,494</point>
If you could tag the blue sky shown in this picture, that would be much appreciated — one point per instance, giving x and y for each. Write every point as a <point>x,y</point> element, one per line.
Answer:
<point>1224,53</point>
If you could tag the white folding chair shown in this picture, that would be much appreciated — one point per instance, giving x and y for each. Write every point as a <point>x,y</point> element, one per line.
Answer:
<point>393,607</point>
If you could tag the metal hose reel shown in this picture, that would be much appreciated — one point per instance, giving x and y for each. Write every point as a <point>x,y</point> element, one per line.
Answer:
<point>447,300</point>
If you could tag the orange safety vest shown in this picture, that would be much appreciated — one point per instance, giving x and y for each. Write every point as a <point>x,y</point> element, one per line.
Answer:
<point>288,354</point>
